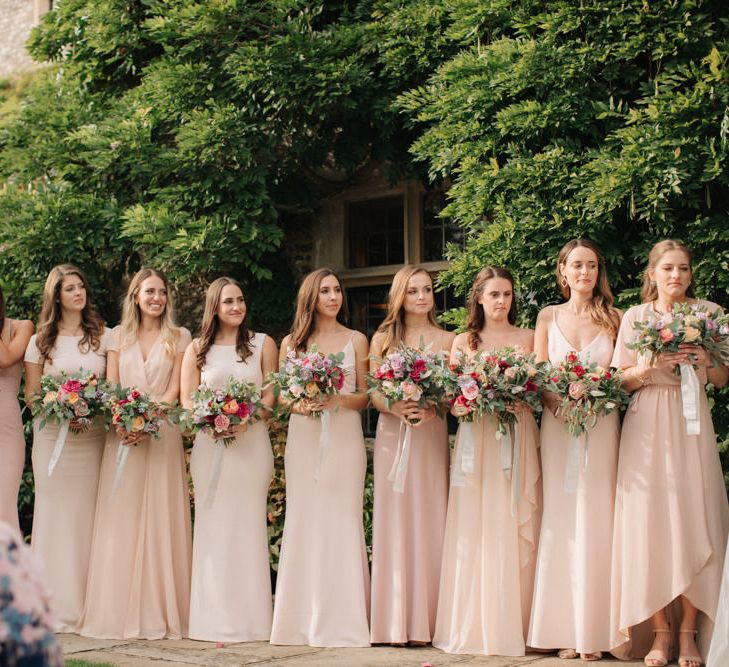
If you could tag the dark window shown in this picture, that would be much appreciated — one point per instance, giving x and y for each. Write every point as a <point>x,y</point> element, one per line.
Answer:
<point>376,232</point>
<point>437,231</point>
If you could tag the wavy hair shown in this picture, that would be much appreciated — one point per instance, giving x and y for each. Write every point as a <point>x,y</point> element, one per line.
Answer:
<point>91,323</point>
<point>476,315</point>
<point>305,315</point>
<point>601,309</point>
<point>393,326</point>
<point>132,316</point>
<point>211,324</point>
<point>649,291</point>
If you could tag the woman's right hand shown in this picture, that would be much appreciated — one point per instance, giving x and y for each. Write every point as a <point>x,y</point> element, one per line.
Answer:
<point>670,360</point>
<point>402,409</point>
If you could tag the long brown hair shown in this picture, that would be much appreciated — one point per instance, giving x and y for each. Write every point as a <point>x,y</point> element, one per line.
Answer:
<point>2,310</point>
<point>211,324</point>
<point>91,323</point>
<point>132,316</point>
<point>305,316</point>
<point>649,291</point>
<point>476,315</point>
<point>601,309</point>
<point>393,326</point>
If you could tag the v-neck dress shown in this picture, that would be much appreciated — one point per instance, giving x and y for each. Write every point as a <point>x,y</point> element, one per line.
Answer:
<point>139,573</point>
<point>571,605</point>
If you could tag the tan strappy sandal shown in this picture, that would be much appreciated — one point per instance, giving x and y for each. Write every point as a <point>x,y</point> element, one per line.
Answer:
<point>685,660</point>
<point>567,654</point>
<point>591,657</point>
<point>656,657</point>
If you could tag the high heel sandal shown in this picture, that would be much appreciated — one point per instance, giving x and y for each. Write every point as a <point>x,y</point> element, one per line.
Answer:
<point>656,657</point>
<point>567,653</point>
<point>684,660</point>
<point>591,657</point>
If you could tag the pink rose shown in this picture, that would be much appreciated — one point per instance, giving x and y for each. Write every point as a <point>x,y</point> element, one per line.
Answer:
<point>470,391</point>
<point>411,391</point>
<point>576,390</point>
<point>222,423</point>
<point>666,335</point>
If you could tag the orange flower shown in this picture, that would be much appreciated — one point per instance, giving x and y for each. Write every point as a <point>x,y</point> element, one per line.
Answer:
<point>137,424</point>
<point>72,397</point>
<point>231,407</point>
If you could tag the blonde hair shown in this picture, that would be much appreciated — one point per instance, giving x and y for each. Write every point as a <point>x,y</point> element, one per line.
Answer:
<point>476,315</point>
<point>393,326</point>
<point>305,315</point>
<point>132,316</point>
<point>649,291</point>
<point>91,323</point>
<point>601,309</point>
<point>211,324</point>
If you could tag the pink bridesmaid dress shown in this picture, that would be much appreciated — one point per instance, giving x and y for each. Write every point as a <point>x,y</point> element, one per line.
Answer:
<point>671,510</point>
<point>490,547</point>
<point>65,503</point>
<point>139,572</point>
<point>231,573</point>
<point>571,605</point>
<point>12,441</point>
<point>407,532</point>
<point>322,590</point>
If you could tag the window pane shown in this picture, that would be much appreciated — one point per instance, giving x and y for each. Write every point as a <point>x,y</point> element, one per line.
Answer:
<point>437,232</point>
<point>376,232</point>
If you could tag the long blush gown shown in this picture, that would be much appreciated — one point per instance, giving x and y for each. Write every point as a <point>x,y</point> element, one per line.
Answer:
<point>719,652</point>
<point>12,442</point>
<point>671,510</point>
<point>231,575</point>
<point>65,503</point>
<point>571,606</point>
<point>491,547</point>
<point>407,532</point>
<point>139,572</point>
<point>322,591</point>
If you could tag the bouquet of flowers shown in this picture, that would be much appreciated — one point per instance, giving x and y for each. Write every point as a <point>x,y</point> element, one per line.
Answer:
<point>692,324</point>
<point>132,412</point>
<point>411,374</point>
<point>309,376</point>
<point>686,323</point>
<point>72,401</point>
<point>587,392</point>
<point>214,412</point>
<point>494,384</point>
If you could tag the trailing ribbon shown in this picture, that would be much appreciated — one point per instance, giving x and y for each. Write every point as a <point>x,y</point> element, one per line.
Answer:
<point>399,469</point>
<point>58,446</point>
<point>215,474</point>
<point>326,423</point>
<point>457,476</point>
<point>576,460</point>
<point>468,447</point>
<point>510,455</point>
<point>122,453</point>
<point>690,392</point>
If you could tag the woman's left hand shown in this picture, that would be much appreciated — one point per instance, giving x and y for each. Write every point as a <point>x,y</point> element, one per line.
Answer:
<point>418,416</point>
<point>695,354</point>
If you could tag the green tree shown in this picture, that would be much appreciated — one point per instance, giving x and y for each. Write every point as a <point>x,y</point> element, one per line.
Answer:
<point>607,119</point>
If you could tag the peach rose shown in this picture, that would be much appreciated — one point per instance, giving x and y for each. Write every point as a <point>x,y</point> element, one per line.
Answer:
<point>576,390</point>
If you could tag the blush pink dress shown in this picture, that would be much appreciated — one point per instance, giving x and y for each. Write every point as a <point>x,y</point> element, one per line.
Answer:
<point>671,510</point>
<point>139,572</point>
<point>571,606</point>
<point>65,503</point>
<point>231,574</point>
<point>323,585</point>
<point>490,548</point>
<point>407,532</point>
<point>12,442</point>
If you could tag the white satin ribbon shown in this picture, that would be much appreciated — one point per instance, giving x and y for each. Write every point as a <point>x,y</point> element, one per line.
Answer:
<point>215,474</point>
<point>510,456</point>
<point>690,392</point>
<point>575,462</point>
<point>399,470</point>
<point>468,447</point>
<point>457,476</point>
<point>122,453</point>
<point>326,424</point>
<point>58,446</point>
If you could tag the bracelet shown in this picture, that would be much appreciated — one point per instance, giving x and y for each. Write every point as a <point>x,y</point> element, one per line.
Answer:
<point>643,378</point>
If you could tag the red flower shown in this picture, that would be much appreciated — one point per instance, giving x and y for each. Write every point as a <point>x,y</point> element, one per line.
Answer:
<point>530,386</point>
<point>608,375</point>
<point>578,370</point>
<point>244,409</point>
<point>72,386</point>
<point>571,357</point>
<point>419,367</point>
<point>135,394</point>
<point>504,365</point>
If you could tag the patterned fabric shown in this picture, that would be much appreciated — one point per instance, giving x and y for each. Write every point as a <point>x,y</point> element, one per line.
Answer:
<point>26,637</point>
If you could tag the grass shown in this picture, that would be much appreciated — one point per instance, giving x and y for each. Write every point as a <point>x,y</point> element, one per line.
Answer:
<point>83,663</point>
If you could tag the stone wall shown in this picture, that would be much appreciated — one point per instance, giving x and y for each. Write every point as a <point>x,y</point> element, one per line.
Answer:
<point>17,17</point>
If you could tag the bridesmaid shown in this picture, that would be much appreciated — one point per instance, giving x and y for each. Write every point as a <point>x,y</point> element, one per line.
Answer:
<point>322,592</point>
<point>139,573</point>
<point>14,337</point>
<point>71,336</point>
<point>231,575</point>
<point>407,528</point>
<point>491,540</point>
<point>671,512</point>
<point>571,602</point>
<point>719,651</point>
